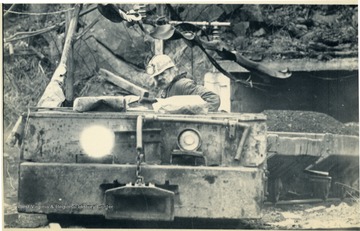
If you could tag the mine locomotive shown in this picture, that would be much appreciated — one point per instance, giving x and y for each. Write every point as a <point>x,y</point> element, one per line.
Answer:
<point>143,166</point>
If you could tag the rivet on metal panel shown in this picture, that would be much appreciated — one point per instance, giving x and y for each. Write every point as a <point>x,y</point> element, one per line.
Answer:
<point>232,126</point>
<point>328,138</point>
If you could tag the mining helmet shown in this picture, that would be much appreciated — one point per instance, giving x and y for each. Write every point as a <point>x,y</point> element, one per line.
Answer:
<point>158,64</point>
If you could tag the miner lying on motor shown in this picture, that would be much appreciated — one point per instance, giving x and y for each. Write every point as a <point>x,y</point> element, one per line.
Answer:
<point>172,82</point>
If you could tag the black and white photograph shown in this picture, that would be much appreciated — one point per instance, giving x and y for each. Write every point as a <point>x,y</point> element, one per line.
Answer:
<point>171,115</point>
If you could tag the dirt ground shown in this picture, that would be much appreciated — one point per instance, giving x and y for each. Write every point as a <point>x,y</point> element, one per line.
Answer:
<point>327,215</point>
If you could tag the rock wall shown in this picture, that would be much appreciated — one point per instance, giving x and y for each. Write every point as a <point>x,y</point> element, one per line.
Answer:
<point>260,32</point>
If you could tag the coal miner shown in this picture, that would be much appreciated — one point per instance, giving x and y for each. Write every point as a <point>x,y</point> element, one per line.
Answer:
<point>172,82</point>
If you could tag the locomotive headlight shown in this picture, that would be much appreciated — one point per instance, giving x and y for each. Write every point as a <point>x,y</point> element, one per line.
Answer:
<point>189,140</point>
<point>97,141</point>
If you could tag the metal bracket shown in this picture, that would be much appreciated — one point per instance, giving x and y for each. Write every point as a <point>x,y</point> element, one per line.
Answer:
<point>194,154</point>
<point>232,128</point>
<point>244,137</point>
<point>140,202</point>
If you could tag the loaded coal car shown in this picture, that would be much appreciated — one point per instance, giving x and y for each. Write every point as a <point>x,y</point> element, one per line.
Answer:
<point>311,166</point>
<point>142,165</point>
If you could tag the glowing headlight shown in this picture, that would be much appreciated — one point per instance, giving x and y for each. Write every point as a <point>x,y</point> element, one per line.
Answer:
<point>189,140</point>
<point>97,141</point>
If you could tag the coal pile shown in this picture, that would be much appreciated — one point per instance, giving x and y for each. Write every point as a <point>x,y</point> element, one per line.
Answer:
<point>307,122</point>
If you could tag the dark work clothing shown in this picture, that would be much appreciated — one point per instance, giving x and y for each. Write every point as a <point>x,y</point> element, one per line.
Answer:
<point>185,86</point>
